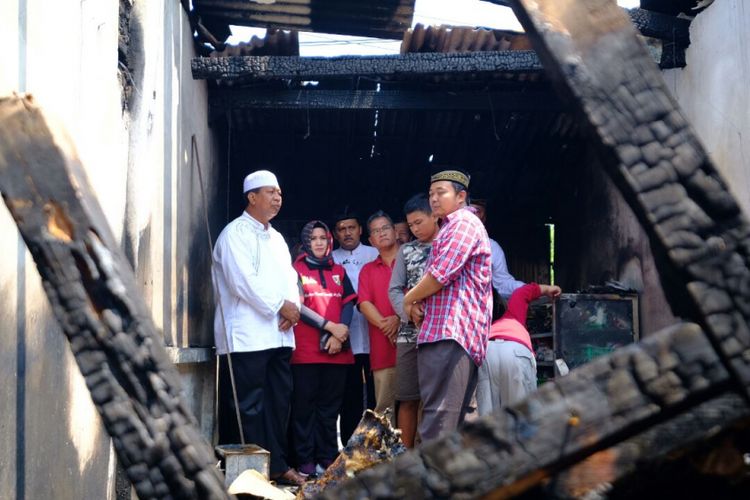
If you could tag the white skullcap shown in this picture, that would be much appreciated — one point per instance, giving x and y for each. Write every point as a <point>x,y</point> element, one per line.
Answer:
<point>259,178</point>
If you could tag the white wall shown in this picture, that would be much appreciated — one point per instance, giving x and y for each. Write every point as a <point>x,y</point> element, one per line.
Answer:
<point>714,90</point>
<point>138,161</point>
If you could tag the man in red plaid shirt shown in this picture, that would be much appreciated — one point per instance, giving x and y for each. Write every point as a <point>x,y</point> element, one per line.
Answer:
<point>453,303</point>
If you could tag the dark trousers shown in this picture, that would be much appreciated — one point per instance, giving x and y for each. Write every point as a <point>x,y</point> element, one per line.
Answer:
<point>316,399</point>
<point>359,394</point>
<point>264,390</point>
<point>447,380</point>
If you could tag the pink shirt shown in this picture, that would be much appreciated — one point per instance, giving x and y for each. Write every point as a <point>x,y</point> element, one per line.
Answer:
<point>461,260</point>
<point>512,325</point>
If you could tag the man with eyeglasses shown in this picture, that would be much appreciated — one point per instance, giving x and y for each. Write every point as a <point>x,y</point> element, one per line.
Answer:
<point>375,305</point>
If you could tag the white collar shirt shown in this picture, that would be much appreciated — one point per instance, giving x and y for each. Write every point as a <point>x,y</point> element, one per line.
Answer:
<point>353,261</point>
<point>253,276</point>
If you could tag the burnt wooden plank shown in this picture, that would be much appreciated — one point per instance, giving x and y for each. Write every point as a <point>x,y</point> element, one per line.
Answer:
<point>696,227</point>
<point>249,68</point>
<point>229,99</point>
<point>93,294</point>
<point>679,436</point>
<point>607,401</point>
<point>371,18</point>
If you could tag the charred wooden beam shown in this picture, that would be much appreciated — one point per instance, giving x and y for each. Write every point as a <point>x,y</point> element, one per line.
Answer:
<point>696,227</point>
<point>649,23</point>
<point>596,406</point>
<point>249,68</point>
<point>371,18</point>
<point>222,100</point>
<point>676,437</point>
<point>93,294</point>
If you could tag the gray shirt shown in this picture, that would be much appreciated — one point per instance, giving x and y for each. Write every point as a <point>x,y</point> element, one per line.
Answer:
<point>408,269</point>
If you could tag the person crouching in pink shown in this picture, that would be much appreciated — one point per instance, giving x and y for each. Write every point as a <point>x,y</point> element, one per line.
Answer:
<point>508,373</point>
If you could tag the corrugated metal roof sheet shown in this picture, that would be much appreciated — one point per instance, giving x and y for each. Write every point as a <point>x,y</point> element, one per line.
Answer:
<point>275,43</point>
<point>461,39</point>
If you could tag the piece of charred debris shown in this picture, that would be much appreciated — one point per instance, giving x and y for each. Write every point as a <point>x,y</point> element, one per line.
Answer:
<point>374,441</point>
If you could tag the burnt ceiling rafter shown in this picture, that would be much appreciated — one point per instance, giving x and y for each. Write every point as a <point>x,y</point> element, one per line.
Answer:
<point>254,68</point>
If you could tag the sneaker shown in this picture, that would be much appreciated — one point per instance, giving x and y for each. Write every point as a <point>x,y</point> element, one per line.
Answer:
<point>320,469</point>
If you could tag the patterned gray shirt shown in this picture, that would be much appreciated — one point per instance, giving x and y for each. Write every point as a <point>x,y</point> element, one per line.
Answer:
<point>408,269</point>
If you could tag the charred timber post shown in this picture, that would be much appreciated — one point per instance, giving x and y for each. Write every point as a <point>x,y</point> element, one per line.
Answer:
<point>96,301</point>
<point>696,227</point>
<point>598,405</point>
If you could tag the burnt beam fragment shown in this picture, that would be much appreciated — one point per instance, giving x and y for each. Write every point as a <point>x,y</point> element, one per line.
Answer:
<point>605,402</point>
<point>618,467</point>
<point>649,23</point>
<point>697,230</point>
<point>92,292</point>
<point>662,26</point>
<point>251,68</point>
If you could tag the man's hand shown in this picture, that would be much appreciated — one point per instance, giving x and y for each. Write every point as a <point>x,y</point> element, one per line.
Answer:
<point>552,291</point>
<point>285,324</point>
<point>415,312</point>
<point>390,326</point>
<point>333,346</point>
<point>289,311</point>
<point>408,306</point>
<point>338,330</point>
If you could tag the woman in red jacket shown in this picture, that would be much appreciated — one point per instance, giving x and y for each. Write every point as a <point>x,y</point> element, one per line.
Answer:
<point>322,353</point>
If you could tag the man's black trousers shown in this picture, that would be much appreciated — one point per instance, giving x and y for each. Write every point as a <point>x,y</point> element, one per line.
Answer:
<point>264,390</point>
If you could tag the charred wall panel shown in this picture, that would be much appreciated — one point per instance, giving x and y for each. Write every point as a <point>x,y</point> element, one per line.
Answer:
<point>600,239</point>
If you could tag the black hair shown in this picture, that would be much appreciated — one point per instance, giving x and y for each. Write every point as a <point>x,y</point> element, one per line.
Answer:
<point>378,214</point>
<point>417,203</point>
<point>254,190</point>
<point>499,305</point>
<point>345,215</point>
<point>459,187</point>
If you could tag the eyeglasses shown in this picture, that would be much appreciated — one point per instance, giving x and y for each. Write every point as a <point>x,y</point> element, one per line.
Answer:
<point>382,229</point>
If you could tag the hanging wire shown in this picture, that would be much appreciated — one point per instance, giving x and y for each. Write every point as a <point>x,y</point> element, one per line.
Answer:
<point>194,151</point>
<point>492,115</point>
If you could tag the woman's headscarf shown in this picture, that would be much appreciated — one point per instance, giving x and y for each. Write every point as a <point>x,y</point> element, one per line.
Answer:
<point>327,259</point>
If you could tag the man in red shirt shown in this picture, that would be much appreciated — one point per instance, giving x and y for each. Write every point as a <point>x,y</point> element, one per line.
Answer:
<point>375,305</point>
<point>453,303</point>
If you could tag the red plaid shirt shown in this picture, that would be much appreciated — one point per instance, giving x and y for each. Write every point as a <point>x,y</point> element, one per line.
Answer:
<point>461,260</point>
